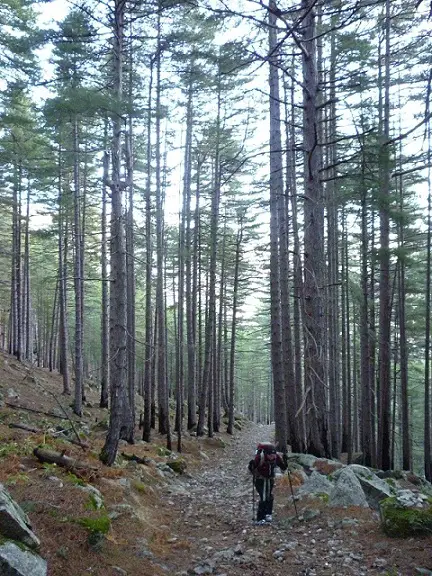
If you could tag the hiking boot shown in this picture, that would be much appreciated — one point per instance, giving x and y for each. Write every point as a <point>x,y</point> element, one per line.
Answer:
<point>269,518</point>
<point>260,522</point>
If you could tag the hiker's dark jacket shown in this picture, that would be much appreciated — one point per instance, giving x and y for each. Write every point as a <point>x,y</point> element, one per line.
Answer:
<point>263,465</point>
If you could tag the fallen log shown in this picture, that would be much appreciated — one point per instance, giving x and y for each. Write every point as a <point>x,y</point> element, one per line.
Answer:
<point>64,461</point>
<point>134,458</point>
<point>25,427</point>
<point>28,409</point>
<point>60,436</point>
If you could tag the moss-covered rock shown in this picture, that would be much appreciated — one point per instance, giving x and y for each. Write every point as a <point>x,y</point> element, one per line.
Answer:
<point>179,466</point>
<point>402,521</point>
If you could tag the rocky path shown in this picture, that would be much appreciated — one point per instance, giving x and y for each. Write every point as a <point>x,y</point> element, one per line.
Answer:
<point>213,533</point>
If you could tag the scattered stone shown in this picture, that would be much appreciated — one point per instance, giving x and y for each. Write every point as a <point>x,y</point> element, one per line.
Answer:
<point>14,523</point>
<point>379,563</point>
<point>17,562</point>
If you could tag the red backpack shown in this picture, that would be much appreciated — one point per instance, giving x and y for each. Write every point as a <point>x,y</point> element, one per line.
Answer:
<point>265,459</point>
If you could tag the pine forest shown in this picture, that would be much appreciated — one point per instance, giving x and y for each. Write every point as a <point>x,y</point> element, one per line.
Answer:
<point>212,208</point>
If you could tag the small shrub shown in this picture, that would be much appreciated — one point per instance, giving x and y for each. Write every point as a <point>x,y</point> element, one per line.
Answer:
<point>51,468</point>
<point>62,552</point>
<point>73,479</point>
<point>19,478</point>
<point>99,525</point>
<point>7,449</point>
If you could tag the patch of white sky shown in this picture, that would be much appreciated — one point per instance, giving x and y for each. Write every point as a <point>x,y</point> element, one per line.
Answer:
<point>256,89</point>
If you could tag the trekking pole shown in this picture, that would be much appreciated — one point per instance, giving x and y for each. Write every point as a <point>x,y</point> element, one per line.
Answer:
<point>291,488</point>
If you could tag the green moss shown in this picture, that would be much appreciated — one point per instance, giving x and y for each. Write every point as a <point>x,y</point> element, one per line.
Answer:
<point>163,451</point>
<point>73,479</point>
<point>93,503</point>
<point>139,486</point>
<point>99,525</point>
<point>403,522</point>
<point>323,496</point>
<point>62,552</point>
<point>15,479</point>
<point>179,466</point>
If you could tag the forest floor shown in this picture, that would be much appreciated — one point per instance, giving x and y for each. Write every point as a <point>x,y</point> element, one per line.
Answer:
<point>196,523</point>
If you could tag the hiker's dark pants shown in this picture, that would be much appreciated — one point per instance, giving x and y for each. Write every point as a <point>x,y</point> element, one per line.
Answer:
<point>264,488</point>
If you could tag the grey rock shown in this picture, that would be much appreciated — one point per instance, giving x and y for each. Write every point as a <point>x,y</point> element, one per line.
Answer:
<point>347,491</point>
<point>379,563</point>
<point>14,523</point>
<point>375,489</point>
<point>205,568</point>
<point>119,571</point>
<point>316,483</point>
<point>306,460</point>
<point>423,571</point>
<point>95,493</point>
<point>410,499</point>
<point>17,562</point>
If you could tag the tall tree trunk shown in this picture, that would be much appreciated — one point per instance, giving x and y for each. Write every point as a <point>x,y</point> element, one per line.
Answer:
<point>206,392</point>
<point>406,443</point>
<point>118,295</point>
<point>78,279</point>
<point>427,384</point>
<point>384,460</point>
<point>276,193</point>
<point>239,240</point>
<point>297,273</point>
<point>317,434</point>
<point>163,415</point>
<point>149,348</point>
<point>27,320</point>
<point>338,441</point>
<point>105,314</point>
<point>130,279</point>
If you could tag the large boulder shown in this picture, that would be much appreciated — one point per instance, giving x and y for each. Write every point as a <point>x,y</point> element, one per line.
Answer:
<point>347,491</point>
<point>374,488</point>
<point>17,562</point>
<point>14,523</point>
<point>305,460</point>
<point>315,485</point>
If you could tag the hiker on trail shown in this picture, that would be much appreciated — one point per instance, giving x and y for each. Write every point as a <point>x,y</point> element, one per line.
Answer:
<point>263,467</point>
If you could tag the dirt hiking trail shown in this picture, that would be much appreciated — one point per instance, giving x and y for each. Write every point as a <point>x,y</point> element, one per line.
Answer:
<point>212,516</point>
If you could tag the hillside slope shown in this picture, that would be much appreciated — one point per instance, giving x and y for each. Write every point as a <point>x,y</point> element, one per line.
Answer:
<point>158,522</point>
